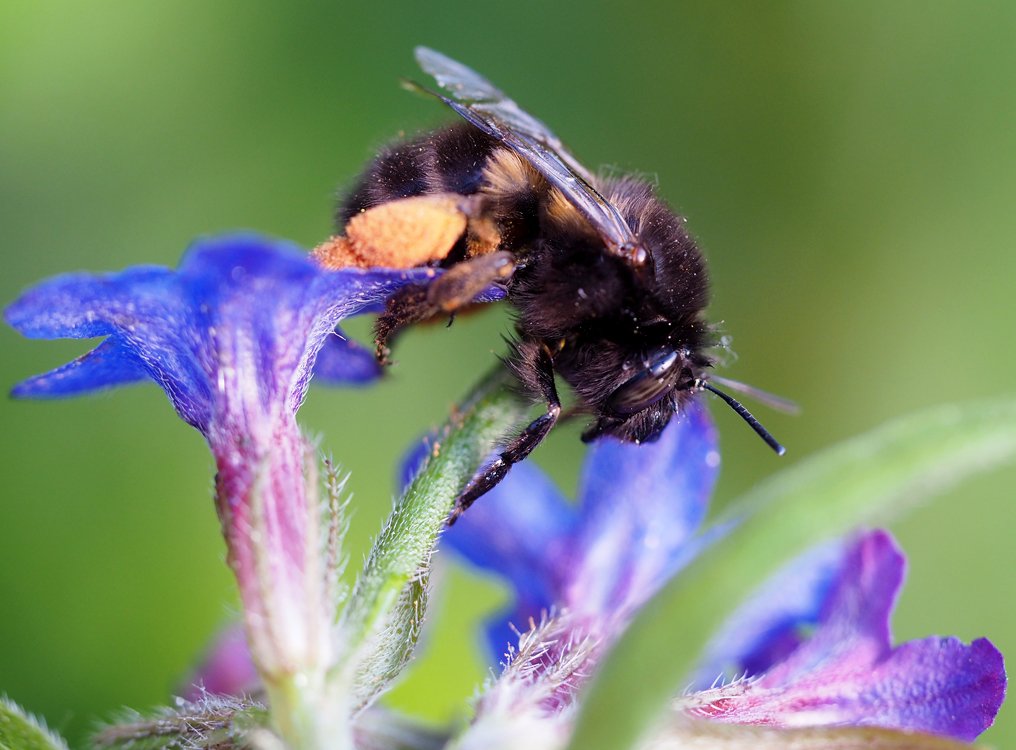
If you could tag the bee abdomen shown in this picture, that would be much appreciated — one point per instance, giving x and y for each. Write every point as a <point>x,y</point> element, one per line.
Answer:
<point>450,160</point>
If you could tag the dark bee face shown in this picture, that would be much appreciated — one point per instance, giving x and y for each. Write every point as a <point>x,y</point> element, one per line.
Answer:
<point>654,381</point>
<point>640,407</point>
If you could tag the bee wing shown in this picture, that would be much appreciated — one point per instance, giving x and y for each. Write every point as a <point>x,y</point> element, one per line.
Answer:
<point>474,93</point>
<point>488,108</point>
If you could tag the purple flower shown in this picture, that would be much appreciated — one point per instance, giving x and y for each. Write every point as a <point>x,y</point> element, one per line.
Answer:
<point>811,648</point>
<point>232,337</point>
<point>847,672</point>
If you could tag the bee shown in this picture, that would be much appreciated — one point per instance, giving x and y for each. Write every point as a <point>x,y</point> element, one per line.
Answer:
<point>608,287</point>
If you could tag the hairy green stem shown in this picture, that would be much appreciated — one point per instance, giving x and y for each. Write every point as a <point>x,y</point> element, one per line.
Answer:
<point>307,715</point>
<point>382,619</point>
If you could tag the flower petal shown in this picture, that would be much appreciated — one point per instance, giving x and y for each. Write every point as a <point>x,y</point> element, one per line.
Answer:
<point>343,361</point>
<point>770,625</point>
<point>108,365</point>
<point>853,630</point>
<point>520,531</point>
<point>271,304</point>
<point>847,673</point>
<point>640,506</point>
<point>243,317</point>
<point>82,305</point>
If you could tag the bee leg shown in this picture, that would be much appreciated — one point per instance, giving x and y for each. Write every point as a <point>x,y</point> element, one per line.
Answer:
<point>455,288</point>
<point>460,284</point>
<point>539,369</point>
<point>407,306</point>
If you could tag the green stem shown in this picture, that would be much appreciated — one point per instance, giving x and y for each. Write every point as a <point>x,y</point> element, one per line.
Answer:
<point>307,715</point>
<point>401,554</point>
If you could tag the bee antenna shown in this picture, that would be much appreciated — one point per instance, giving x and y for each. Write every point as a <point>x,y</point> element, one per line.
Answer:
<point>764,397</point>
<point>746,415</point>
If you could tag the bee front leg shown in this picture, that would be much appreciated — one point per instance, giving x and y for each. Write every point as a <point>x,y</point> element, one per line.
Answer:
<point>455,288</point>
<point>534,365</point>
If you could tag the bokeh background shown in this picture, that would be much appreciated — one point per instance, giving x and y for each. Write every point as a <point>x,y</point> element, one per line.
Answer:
<point>849,168</point>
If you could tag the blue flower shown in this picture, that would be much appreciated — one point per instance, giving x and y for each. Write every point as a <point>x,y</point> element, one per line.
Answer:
<point>634,527</point>
<point>232,336</point>
<point>238,306</point>
<point>811,648</point>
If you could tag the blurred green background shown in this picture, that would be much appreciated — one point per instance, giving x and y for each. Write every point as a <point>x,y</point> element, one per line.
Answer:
<point>849,169</point>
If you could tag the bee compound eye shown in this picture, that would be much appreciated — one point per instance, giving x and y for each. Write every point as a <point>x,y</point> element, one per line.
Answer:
<point>639,392</point>
<point>662,363</point>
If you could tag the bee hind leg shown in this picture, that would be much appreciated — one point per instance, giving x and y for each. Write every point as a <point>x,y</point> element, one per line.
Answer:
<point>534,359</point>
<point>455,288</point>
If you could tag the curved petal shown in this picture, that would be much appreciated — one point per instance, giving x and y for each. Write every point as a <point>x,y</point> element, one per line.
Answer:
<point>269,310</point>
<point>853,627</point>
<point>343,361</point>
<point>848,674</point>
<point>83,305</point>
<point>771,624</point>
<point>231,336</point>
<point>936,685</point>
<point>640,506</point>
<point>108,365</point>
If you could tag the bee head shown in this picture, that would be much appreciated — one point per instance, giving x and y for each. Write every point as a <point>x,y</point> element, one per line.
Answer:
<point>659,374</point>
<point>640,407</point>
